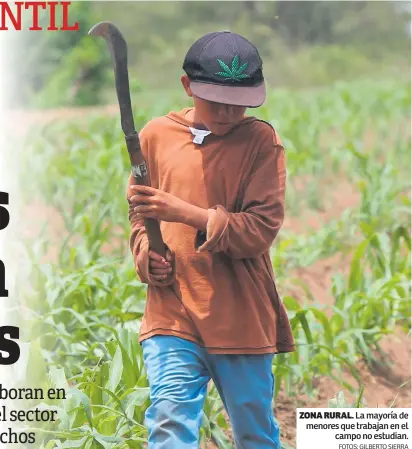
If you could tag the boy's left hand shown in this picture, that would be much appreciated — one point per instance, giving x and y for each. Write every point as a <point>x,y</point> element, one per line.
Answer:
<point>153,203</point>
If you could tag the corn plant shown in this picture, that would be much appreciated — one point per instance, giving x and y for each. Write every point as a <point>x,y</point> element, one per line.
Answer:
<point>83,310</point>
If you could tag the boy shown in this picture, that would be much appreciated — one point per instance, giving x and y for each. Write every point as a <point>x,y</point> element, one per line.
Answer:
<point>212,312</point>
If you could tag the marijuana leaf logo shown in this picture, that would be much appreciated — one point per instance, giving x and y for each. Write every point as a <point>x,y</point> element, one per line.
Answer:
<point>234,73</point>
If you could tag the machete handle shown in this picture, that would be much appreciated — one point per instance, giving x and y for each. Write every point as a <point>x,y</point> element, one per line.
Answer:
<point>141,177</point>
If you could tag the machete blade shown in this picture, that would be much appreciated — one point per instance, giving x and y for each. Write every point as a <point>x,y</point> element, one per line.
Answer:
<point>118,49</point>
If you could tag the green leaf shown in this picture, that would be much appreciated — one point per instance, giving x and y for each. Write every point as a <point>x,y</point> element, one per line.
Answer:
<point>135,399</point>
<point>241,69</point>
<point>226,75</point>
<point>221,421</point>
<point>115,370</point>
<point>235,64</point>
<point>112,395</point>
<point>206,424</point>
<point>358,403</point>
<point>52,444</point>
<point>84,400</point>
<point>135,443</point>
<point>107,439</point>
<point>74,443</point>
<point>220,438</point>
<point>305,325</point>
<point>323,318</point>
<point>107,426</point>
<point>356,271</point>
<point>225,67</point>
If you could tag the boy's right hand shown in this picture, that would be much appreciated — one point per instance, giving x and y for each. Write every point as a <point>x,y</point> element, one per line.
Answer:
<point>159,268</point>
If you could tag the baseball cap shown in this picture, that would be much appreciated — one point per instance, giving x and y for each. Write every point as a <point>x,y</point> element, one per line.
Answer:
<point>225,67</point>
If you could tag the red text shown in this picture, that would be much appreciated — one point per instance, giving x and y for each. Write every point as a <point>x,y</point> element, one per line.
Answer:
<point>13,18</point>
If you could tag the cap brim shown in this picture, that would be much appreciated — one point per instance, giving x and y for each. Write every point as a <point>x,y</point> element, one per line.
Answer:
<point>251,97</point>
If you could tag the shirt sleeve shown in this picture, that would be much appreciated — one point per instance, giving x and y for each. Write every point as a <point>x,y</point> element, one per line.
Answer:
<point>251,232</point>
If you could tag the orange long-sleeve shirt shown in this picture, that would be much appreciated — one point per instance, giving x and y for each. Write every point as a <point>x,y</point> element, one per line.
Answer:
<point>222,294</point>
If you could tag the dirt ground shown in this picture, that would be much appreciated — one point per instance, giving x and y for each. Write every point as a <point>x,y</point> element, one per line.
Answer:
<point>382,384</point>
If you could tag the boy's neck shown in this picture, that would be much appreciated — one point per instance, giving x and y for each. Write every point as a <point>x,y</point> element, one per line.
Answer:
<point>192,117</point>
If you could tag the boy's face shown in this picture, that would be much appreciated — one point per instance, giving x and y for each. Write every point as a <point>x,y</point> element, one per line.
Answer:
<point>218,118</point>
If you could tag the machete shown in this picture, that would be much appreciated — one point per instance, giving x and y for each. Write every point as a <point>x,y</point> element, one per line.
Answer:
<point>118,49</point>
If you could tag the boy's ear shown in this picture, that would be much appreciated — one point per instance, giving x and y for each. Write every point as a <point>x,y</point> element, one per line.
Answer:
<point>186,84</point>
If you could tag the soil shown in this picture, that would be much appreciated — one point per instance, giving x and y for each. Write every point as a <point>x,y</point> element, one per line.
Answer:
<point>382,383</point>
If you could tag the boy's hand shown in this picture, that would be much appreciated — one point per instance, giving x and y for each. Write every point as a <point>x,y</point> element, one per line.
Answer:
<point>153,203</point>
<point>159,268</point>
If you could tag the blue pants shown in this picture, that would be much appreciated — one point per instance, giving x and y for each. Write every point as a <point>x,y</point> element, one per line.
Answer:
<point>178,373</point>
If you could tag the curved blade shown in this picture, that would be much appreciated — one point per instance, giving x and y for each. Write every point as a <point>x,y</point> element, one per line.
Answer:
<point>118,49</point>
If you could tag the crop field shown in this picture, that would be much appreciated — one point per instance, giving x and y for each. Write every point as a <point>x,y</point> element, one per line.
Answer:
<point>342,263</point>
